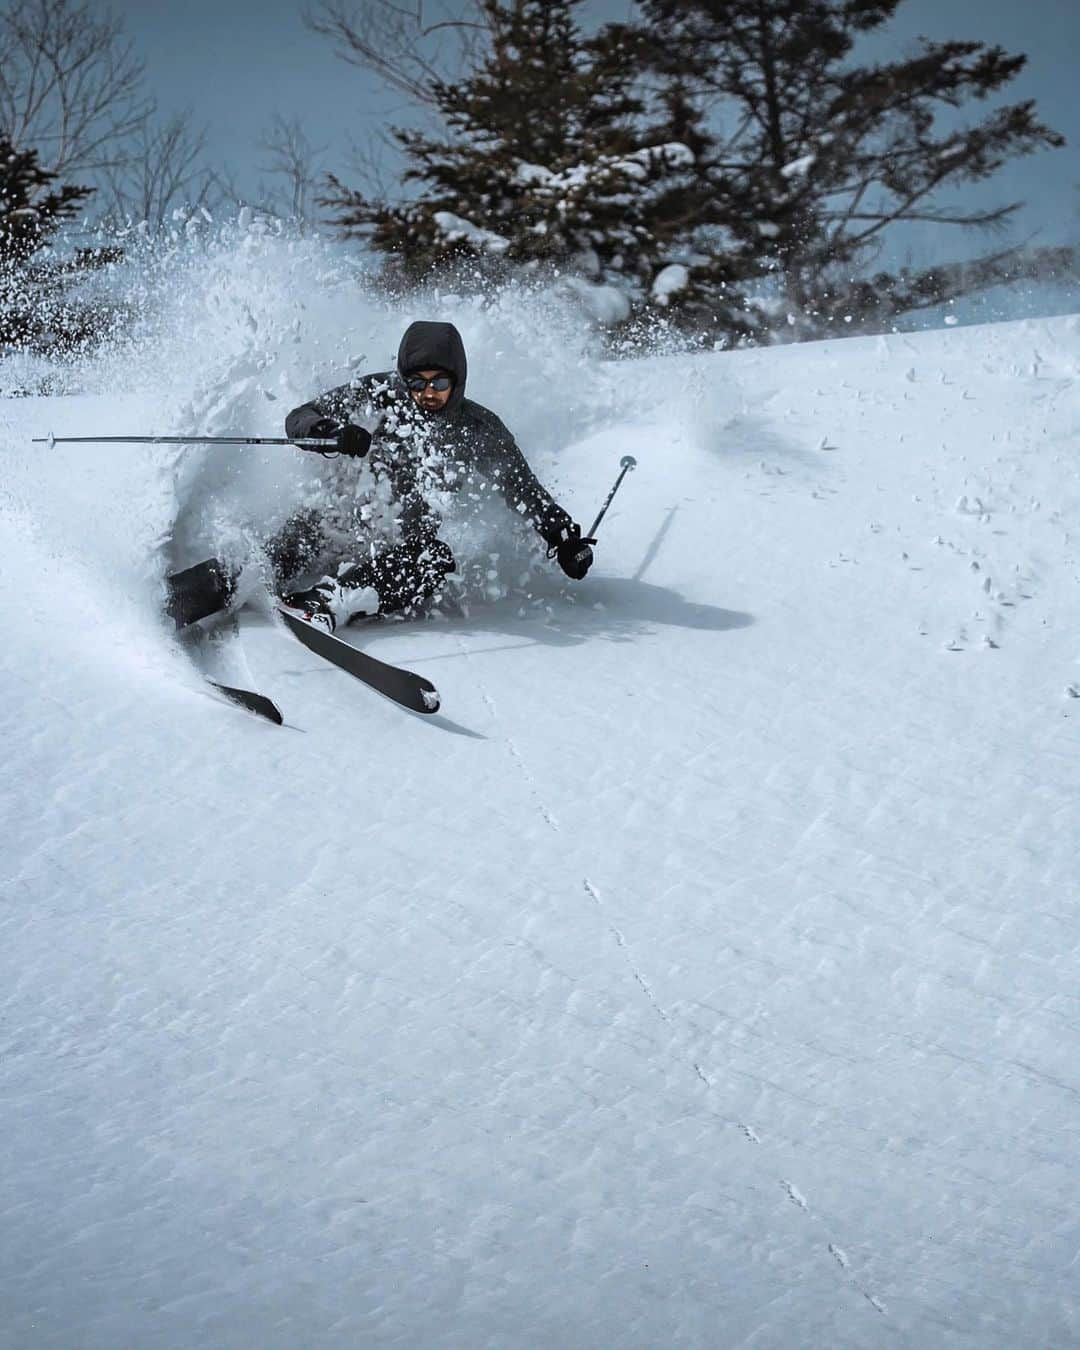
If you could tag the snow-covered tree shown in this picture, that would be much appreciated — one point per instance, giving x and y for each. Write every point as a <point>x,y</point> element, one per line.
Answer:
<point>815,158</point>
<point>545,156</point>
<point>37,311</point>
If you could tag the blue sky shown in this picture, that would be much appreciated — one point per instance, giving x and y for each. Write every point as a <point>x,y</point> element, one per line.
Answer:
<point>238,62</point>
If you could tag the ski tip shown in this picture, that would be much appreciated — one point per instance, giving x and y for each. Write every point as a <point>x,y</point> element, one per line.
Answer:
<point>430,699</point>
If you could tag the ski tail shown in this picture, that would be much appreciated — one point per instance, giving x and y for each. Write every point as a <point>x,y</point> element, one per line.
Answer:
<point>253,702</point>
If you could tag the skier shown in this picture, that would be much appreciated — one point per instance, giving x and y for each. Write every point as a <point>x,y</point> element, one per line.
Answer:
<point>418,436</point>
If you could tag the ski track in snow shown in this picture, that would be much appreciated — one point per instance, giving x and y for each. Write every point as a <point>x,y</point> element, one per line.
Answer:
<point>717,987</point>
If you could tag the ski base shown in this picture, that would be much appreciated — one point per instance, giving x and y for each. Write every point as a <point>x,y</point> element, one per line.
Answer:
<point>402,686</point>
<point>247,698</point>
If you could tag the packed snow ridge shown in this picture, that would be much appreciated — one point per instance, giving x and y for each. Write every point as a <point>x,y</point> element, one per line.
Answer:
<point>705,974</point>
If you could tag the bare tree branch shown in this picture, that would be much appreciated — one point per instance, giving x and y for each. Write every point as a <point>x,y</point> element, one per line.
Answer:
<point>415,13</point>
<point>393,41</point>
<point>70,84</point>
<point>977,219</point>
<point>290,156</point>
<point>165,171</point>
<point>368,161</point>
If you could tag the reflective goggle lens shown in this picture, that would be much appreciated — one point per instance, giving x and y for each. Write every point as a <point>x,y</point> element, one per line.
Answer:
<point>441,383</point>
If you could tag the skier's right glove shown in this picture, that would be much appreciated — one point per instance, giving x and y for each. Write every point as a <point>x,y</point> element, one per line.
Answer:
<point>352,440</point>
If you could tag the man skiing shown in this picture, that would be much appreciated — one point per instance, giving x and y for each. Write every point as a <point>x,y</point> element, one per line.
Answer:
<point>412,436</point>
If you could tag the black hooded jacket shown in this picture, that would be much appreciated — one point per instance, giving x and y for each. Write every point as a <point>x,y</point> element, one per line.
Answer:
<point>463,446</point>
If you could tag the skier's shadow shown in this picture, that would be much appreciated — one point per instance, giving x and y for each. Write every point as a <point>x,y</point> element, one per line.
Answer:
<point>561,613</point>
<point>612,609</point>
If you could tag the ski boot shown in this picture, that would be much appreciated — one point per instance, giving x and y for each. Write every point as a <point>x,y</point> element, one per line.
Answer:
<point>199,591</point>
<point>316,605</point>
<point>328,603</point>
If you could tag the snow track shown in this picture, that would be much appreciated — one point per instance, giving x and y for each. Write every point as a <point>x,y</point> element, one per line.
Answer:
<point>703,975</point>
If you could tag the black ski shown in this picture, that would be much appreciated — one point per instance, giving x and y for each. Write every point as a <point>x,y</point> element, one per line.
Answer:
<point>411,691</point>
<point>210,655</point>
<point>246,698</point>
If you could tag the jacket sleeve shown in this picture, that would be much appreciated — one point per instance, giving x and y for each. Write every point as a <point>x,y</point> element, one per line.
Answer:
<point>368,397</point>
<point>521,489</point>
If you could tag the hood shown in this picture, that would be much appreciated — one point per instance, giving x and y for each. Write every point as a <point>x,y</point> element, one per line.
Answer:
<point>427,346</point>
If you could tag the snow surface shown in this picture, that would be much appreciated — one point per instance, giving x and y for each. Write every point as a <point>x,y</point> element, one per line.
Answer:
<point>706,974</point>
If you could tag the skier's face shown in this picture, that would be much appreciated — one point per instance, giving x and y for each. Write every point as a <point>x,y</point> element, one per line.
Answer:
<point>426,396</point>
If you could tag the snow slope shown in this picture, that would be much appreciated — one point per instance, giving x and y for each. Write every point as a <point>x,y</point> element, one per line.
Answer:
<point>706,975</point>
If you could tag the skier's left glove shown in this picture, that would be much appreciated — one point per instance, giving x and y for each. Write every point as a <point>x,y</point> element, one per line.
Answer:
<point>575,554</point>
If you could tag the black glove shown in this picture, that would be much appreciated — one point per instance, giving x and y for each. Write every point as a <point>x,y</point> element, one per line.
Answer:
<point>352,440</point>
<point>574,554</point>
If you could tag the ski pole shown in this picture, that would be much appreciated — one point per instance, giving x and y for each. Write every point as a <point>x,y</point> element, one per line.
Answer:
<point>627,463</point>
<point>305,442</point>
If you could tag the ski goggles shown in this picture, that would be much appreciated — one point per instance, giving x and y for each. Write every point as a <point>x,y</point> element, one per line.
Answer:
<point>440,383</point>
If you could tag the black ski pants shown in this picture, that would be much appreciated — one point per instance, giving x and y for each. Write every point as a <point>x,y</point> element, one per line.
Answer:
<point>404,576</point>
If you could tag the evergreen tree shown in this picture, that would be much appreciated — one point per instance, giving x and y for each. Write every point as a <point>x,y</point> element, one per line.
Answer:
<point>545,157</point>
<point>37,312</point>
<point>822,157</point>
